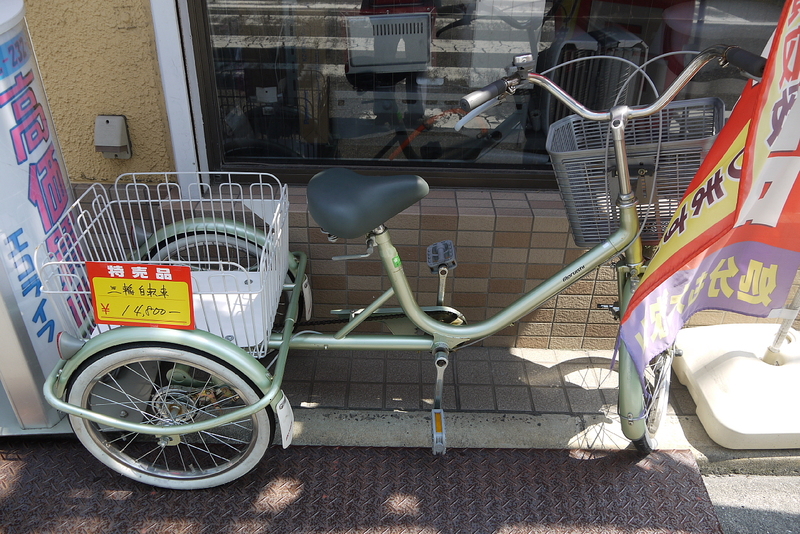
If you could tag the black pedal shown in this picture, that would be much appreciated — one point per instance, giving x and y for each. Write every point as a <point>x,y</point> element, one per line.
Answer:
<point>441,254</point>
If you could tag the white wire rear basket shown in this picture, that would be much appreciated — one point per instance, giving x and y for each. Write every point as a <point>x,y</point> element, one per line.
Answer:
<point>230,230</point>
<point>664,153</point>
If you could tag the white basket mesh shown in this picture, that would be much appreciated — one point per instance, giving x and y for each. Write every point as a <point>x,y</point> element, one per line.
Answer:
<point>233,236</point>
<point>583,161</point>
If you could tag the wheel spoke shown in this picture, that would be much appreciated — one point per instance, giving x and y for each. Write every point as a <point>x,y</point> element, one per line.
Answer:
<point>126,438</point>
<point>205,409</point>
<point>212,455</point>
<point>237,424</point>
<point>119,389</point>
<point>657,377</point>
<point>180,455</point>
<point>134,381</point>
<point>143,375</point>
<point>226,440</point>
<point>111,402</point>
<point>206,450</point>
<point>156,447</point>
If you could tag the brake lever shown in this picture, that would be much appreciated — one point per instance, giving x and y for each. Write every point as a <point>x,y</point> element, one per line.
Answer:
<point>477,111</point>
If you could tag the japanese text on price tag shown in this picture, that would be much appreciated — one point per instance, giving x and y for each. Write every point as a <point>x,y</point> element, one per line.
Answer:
<point>141,295</point>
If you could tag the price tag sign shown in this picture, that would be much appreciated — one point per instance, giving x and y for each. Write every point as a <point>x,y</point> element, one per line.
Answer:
<point>141,295</point>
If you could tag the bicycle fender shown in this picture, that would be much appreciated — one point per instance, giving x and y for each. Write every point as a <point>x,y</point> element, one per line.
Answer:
<point>193,226</point>
<point>195,339</point>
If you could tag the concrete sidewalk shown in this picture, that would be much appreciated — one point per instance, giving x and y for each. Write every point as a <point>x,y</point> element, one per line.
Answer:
<point>526,398</point>
<point>494,397</point>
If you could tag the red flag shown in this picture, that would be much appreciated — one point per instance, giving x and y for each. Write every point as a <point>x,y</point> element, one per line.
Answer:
<point>733,242</point>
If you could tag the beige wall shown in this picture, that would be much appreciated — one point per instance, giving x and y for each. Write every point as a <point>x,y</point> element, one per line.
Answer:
<point>98,57</point>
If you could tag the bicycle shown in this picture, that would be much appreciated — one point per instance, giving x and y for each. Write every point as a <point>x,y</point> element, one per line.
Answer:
<point>194,407</point>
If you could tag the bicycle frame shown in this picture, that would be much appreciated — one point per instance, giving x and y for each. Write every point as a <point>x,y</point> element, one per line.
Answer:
<point>451,336</point>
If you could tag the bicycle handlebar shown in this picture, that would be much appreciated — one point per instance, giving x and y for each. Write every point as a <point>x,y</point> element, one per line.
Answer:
<point>747,61</point>
<point>481,96</point>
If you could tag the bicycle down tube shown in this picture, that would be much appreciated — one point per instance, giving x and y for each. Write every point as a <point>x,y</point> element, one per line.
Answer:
<point>454,335</point>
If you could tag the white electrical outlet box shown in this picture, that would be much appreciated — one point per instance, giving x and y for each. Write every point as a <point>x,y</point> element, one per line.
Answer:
<point>111,136</point>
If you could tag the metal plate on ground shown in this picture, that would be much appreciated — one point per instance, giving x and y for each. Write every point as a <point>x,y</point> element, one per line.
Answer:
<point>54,485</point>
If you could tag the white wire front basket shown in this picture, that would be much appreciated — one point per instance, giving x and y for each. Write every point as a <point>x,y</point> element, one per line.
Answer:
<point>228,231</point>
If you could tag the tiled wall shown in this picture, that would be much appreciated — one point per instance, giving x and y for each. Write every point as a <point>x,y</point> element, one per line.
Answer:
<point>507,242</point>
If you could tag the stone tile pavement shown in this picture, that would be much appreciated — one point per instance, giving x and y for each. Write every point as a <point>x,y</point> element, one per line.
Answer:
<point>478,379</point>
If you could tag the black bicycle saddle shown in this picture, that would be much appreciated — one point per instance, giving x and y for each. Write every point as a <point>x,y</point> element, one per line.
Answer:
<point>347,204</point>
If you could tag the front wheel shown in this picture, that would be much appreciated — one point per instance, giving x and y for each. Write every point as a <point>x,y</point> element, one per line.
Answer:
<point>164,385</point>
<point>643,400</point>
<point>657,379</point>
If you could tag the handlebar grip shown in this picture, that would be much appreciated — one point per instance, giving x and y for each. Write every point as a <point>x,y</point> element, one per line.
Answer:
<point>476,98</point>
<point>749,62</point>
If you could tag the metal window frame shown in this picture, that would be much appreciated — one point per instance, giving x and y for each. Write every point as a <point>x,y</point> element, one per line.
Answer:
<point>185,58</point>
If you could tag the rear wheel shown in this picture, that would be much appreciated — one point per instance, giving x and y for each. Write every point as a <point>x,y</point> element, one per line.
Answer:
<point>205,251</point>
<point>163,386</point>
<point>657,379</point>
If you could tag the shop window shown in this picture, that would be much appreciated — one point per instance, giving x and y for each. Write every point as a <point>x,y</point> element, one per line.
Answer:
<point>377,84</point>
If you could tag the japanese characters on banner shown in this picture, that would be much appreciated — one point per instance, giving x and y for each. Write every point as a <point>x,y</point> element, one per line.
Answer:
<point>34,184</point>
<point>733,242</point>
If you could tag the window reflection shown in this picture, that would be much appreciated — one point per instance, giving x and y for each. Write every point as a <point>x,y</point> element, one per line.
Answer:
<point>378,83</point>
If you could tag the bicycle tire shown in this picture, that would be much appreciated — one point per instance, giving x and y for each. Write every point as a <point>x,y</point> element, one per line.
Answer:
<point>657,380</point>
<point>165,385</point>
<point>642,401</point>
<point>209,251</point>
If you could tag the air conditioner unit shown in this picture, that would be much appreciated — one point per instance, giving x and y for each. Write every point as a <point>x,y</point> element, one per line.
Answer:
<point>389,43</point>
<point>574,78</point>
<point>612,86</point>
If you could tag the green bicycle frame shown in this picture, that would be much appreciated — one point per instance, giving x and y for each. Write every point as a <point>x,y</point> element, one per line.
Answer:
<point>452,336</point>
<point>625,239</point>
